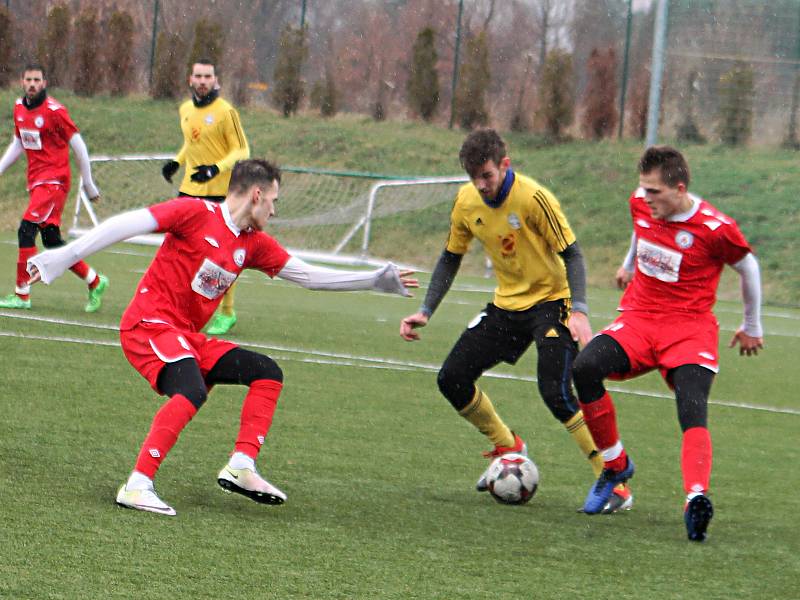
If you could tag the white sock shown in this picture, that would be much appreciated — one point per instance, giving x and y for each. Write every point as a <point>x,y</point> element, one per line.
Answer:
<point>240,460</point>
<point>610,454</point>
<point>139,481</point>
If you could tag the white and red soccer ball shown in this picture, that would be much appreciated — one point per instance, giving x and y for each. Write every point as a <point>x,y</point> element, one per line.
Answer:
<point>512,479</point>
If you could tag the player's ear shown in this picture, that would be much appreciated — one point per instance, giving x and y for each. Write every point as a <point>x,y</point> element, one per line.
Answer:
<point>505,162</point>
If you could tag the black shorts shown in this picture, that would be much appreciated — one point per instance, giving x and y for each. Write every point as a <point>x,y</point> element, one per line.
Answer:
<point>503,336</point>
<point>209,198</point>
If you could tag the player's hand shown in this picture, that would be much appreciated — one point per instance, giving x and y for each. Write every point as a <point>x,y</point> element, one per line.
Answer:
<point>623,278</point>
<point>391,280</point>
<point>96,198</point>
<point>748,345</point>
<point>580,328</point>
<point>204,173</point>
<point>410,323</point>
<point>36,277</point>
<point>169,169</point>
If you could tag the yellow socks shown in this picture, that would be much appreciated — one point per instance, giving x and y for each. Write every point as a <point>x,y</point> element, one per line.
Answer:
<point>226,308</point>
<point>480,412</point>
<point>576,427</point>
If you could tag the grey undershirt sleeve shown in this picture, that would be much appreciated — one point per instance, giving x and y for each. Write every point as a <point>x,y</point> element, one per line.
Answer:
<point>576,276</point>
<point>441,279</point>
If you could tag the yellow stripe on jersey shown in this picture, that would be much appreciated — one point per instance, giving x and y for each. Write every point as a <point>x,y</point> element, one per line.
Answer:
<point>522,238</point>
<point>212,135</point>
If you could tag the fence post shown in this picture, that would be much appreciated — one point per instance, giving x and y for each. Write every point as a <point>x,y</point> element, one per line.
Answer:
<point>656,71</point>
<point>625,70</point>
<point>455,65</point>
<point>153,43</point>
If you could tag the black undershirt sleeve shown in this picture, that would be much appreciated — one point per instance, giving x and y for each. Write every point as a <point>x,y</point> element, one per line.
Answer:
<point>441,279</point>
<point>576,276</point>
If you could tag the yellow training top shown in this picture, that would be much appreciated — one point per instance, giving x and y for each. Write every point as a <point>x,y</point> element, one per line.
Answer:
<point>212,135</point>
<point>522,237</point>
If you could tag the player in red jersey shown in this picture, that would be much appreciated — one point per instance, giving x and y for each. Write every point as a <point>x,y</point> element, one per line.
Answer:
<point>45,131</point>
<point>679,246</point>
<point>207,246</point>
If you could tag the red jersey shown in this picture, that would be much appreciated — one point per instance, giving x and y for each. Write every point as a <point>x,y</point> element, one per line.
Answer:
<point>202,255</point>
<point>45,132</point>
<point>679,262</point>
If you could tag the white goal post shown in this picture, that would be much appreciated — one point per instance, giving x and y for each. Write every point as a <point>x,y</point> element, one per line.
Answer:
<point>338,217</point>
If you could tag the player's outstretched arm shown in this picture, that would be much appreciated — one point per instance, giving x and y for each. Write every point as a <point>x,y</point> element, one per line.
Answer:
<point>12,153</point>
<point>388,279</point>
<point>84,165</point>
<point>749,336</point>
<point>49,266</point>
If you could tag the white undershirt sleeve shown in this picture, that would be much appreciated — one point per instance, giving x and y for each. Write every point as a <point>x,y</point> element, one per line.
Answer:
<point>750,277</point>
<point>11,155</point>
<point>53,263</point>
<point>82,156</point>
<point>628,264</point>
<point>386,279</point>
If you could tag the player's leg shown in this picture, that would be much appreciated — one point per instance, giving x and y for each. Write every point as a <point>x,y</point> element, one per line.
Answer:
<point>26,239</point>
<point>225,318</point>
<point>97,283</point>
<point>556,352</point>
<point>692,384</point>
<point>485,343</point>
<point>182,382</point>
<point>602,357</point>
<point>264,379</point>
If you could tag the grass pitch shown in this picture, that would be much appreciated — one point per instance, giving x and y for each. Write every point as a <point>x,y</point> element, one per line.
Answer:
<point>378,468</point>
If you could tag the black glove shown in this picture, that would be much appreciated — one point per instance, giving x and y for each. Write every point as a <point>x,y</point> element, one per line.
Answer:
<point>169,169</point>
<point>204,172</point>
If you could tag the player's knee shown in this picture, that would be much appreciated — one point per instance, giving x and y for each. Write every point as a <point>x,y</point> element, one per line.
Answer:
<point>197,395</point>
<point>458,390</point>
<point>266,368</point>
<point>559,400</point>
<point>26,234</point>
<point>585,370</point>
<point>51,236</point>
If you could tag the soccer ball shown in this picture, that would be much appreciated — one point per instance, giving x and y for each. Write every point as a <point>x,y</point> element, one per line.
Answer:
<point>512,479</point>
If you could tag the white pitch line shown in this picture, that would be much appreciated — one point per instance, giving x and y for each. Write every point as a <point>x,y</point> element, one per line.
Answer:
<point>369,362</point>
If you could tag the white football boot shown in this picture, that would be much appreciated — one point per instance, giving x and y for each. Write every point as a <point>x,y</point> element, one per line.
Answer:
<point>248,482</point>
<point>146,500</point>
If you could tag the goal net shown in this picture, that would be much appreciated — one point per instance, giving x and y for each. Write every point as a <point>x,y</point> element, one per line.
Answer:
<point>332,216</point>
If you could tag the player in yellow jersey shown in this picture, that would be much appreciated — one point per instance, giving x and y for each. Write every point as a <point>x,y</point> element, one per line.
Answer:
<point>213,140</point>
<point>540,298</point>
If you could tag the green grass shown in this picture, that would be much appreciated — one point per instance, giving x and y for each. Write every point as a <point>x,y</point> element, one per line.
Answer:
<point>756,186</point>
<point>378,468</point>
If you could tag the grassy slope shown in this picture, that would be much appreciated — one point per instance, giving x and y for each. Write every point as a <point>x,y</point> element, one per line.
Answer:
<point>755,186</point>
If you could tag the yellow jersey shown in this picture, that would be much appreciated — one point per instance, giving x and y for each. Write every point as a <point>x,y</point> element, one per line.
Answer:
<point>522,237</point>
<point>212,135</point>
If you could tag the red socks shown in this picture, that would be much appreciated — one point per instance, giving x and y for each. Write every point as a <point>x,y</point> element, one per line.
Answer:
<point>696,460</point>
<point>257,410</point>
<point>601,419</point>
<point>169,421</point>
<point>23,289</point>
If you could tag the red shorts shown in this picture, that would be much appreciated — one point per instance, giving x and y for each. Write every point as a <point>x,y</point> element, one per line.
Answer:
<point>149,346</point>
<point>46,204</point>
<point>665,341</point>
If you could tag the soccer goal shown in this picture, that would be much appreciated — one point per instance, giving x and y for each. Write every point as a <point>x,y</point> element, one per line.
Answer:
<point>332,216</point>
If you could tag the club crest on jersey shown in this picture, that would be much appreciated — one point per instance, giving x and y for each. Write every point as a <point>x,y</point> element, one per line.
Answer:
<point>38,121</point>
<point>513,220</point>
<point>209,119</point>
<point>684,239</point>
<point>238,257</point>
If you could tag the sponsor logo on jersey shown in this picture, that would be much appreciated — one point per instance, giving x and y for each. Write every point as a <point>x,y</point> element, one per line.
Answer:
<point>657,261</point>
<point>238,257</point>
<point>211,280</point>
<point>684,239</point>
<point>39,121</point>
<point>31,139</point>
<point>513,220</point>
<point>508,244</point>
